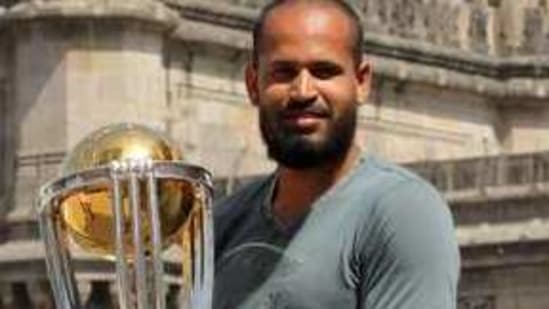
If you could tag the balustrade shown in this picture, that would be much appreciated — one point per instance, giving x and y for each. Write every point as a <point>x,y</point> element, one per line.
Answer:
<point>482,173</point>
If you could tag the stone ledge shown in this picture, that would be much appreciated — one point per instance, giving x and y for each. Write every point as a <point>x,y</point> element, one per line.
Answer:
<point>402,71</point>
<point>145,10</point>
<point>218,13</point>
<point>23,260</point>
<point>499,68</point>
<point>510,254</point>
<point>19,230</point>
<point>503,233</point>
<point>206,33</point>
<point>495,194</point>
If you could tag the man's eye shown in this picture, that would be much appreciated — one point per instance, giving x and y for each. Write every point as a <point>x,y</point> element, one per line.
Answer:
<point>325,72</point>
<point>283,73</point>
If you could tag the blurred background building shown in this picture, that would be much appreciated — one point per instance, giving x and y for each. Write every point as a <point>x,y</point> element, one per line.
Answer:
<point>461,96</point>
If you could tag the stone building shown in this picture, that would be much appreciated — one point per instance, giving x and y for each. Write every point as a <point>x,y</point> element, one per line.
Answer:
<point>461,92</point>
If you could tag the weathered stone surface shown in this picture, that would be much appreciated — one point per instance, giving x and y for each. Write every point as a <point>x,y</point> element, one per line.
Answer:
<point>533,31</point>
<point>483,284</point>
<point>115,73</point>
<point>39,90</point>
<point>401,116</point>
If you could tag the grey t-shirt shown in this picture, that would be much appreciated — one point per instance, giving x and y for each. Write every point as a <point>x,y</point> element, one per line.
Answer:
<point>381,238</point>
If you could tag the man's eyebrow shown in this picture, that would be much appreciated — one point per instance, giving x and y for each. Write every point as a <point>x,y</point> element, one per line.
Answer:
<point>325,63</point>
<point>314,63</point>
<point>283,63</point>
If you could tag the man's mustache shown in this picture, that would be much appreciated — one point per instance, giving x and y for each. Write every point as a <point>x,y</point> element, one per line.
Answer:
<point>315,108</point>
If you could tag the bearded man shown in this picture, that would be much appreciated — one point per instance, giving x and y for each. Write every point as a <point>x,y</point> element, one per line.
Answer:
<point>330,227</point>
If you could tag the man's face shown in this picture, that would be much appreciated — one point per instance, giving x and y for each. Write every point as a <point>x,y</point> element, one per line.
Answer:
<point>306,85</point>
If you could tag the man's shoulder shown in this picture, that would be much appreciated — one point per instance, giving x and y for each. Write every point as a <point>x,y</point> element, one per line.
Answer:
<point>410,236</point>
<point>383,177</point>
<point>389,170</point>
<point>402,193</point>
<point>389,190</point>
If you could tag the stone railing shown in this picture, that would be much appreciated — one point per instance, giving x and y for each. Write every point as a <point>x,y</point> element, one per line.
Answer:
<point>494,27</point>
<point>483,173</point>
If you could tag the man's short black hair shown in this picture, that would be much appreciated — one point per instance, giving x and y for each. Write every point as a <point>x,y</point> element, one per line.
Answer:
<point>346,8</point>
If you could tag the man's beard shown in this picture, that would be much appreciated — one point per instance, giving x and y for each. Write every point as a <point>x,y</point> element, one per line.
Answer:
<point>294,150</point>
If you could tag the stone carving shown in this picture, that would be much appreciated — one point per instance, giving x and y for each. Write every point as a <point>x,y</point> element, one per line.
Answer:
<point>533,32</point>
<point>478,31</point>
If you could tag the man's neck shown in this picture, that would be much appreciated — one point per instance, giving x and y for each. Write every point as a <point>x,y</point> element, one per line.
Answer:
<point>298,189</point>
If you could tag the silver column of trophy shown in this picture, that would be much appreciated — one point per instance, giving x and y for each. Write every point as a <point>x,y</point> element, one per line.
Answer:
<point>125,195</point>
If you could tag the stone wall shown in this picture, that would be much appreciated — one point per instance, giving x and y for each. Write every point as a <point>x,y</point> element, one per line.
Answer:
<point>39,89</point>
<point>414,122</point>
<point>114,73</point>
<point>38,106</point>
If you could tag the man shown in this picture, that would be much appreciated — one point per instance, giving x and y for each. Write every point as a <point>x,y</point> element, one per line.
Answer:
<point>329,228</point>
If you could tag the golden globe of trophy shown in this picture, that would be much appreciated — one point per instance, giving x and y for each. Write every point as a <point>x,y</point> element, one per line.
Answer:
<point>125,195</point>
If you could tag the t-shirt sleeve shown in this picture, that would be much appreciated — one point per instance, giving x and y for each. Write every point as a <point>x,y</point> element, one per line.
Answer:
<point>411,258</point>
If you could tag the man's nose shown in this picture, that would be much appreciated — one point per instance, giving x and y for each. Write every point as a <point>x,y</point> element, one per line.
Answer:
<point>303,87</point>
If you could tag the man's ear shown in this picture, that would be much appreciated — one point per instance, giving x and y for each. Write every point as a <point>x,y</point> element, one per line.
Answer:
<point>251,83</point>
<point>364,80</point>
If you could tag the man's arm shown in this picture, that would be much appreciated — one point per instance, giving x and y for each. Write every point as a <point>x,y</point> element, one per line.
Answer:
<point>413,259</point>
